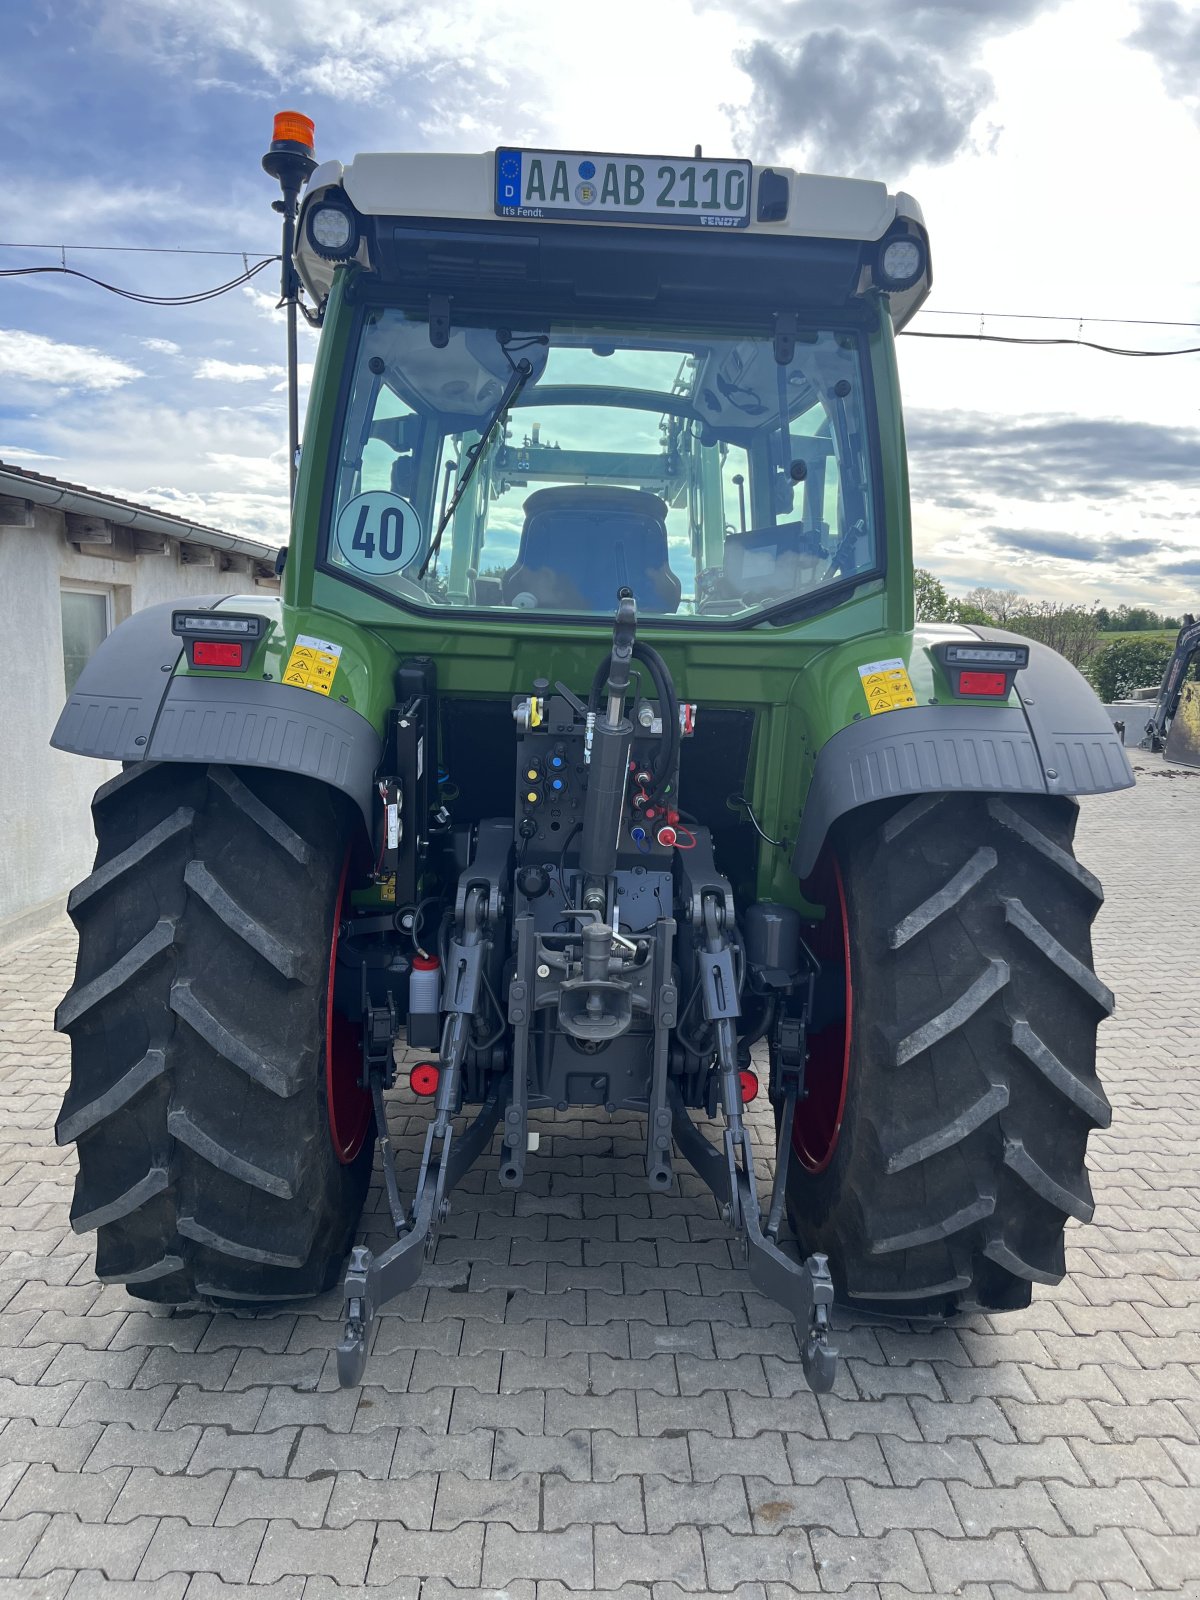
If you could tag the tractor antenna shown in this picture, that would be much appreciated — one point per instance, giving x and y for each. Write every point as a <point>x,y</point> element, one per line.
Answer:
<point>290,161</point>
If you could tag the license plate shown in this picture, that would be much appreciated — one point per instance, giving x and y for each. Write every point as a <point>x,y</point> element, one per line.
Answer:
<point>655,189</point>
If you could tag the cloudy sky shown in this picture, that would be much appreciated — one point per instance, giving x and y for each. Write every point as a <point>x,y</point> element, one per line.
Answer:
<point>1053,145</point>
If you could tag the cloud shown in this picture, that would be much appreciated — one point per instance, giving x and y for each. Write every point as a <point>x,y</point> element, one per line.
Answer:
<point>269,306</point>
<point>974,457</point>
<point>1170,33</point>
<point>1184,569</point>
<point>236,371</point>
<point>304,377</point>
<point>856,103</point>
<point>1076,547</point>
<point>73,208</point>
<point>37,359</point>
<point>1064,547</point>
<point>357,52</point>
<point>226,467</point>
<point>892,85</point>
<point>16,452</point>
<point>1120,549</point>
<point>949,26</point>
<point>162,347</point>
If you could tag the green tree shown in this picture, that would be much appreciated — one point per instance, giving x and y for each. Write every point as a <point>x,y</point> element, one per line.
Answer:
<point>1127,665</point>
<point>929,593</point>
<point>1135,619</point>
<point>1070,629</point>
<point>933,604</point>
<point>1000,605</point>
<point>972,615</point>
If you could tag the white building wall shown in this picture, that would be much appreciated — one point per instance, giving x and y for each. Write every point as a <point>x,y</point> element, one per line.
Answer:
<point>47,842</point>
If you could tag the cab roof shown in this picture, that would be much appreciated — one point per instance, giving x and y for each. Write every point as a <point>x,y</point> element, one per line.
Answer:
<point>439,188</point>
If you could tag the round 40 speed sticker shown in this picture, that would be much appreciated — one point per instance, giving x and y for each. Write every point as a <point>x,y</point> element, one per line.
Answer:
<point>378,533</point>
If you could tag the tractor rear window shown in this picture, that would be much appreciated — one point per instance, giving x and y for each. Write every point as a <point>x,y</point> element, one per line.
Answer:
<point>541,469</point>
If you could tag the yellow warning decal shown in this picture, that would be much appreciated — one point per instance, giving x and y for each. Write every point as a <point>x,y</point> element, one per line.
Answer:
<point>312,664</point>
<point>887,686</point>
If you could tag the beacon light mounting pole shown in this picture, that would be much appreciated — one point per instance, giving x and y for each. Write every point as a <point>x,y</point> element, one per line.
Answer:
<point>290,161</point>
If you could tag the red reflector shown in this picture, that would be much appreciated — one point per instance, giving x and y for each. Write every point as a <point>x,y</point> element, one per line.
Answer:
<point>423,1079</point>
<point>982,683</point>
<point>749,1083</point>
<point>208,653</point>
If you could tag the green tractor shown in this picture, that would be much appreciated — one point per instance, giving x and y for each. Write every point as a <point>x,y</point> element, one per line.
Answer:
<point>592,750</point>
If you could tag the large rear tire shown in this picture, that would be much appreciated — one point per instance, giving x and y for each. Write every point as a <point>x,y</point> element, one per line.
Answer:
<point>198,1098</point>
<point>942,1147</point>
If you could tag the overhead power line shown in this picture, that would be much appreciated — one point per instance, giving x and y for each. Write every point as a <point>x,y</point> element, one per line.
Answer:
<point>200,296</point>
<point>925,311</point>
<point>146,299</point>
<point>133,249</point>
<point>1051,316</point>
<point>1084,344</point>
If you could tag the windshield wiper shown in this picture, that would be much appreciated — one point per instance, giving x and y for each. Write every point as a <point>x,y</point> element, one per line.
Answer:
<point>521,374</point>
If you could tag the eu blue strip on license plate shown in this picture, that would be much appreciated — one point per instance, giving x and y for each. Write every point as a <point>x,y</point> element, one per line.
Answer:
<point>655,189</point>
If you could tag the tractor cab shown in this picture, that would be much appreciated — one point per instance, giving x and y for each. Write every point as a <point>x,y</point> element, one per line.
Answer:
<point>570,374</point>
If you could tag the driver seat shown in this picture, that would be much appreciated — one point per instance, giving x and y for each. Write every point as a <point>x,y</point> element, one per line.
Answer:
<point>580,544</point>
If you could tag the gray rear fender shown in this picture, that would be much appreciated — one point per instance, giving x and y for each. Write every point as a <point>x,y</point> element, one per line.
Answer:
<point>129,705</point>
<point>1059,741</point>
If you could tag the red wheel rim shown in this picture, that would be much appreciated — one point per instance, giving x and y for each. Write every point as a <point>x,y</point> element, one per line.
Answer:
<point>349,1105</point>
<point>818,1121</point>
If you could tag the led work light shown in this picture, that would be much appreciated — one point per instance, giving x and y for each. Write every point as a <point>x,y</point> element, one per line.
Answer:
<point>900,263</point>
<point>332,230</point>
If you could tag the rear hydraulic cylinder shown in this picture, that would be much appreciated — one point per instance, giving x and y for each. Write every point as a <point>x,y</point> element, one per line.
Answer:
<point>607,776</point>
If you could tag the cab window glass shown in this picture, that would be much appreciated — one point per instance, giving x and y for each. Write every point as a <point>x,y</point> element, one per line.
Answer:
<point>541,469</point>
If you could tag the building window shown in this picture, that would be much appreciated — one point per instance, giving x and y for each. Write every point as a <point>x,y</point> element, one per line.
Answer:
<point>86,623</point>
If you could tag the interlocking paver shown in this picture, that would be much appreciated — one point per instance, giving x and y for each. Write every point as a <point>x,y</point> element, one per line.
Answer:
<point>927,1505</point>
<point>219,1447</point>
<point>515,1501</point>
<point>585,1394</point>
<point>140,1408</point>
<point>17,1540</point>
<point>155,1494</point>
<point>178,1547</point>
<point>402,1553</point>
<point>407,1501</point>
<point>42,1487</point>
<point>250,1497</point>
<point>1125,1504</point>
<point>954,1563</point>
<point>93,1585</point>
<point>824,1504</point>
<point>1107,1555</point>
<point>114,1549</point>
<point>642,1557</point>
<point>122,1446</point>
<point>65,1448</point>
<point>339,1553</point>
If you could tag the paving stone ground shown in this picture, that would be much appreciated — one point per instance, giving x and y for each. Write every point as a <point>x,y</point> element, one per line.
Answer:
<point>586,1395</point>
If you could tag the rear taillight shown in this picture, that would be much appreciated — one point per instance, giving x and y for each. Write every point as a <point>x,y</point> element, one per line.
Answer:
<point>985,683</point>
<point>208,653</point>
